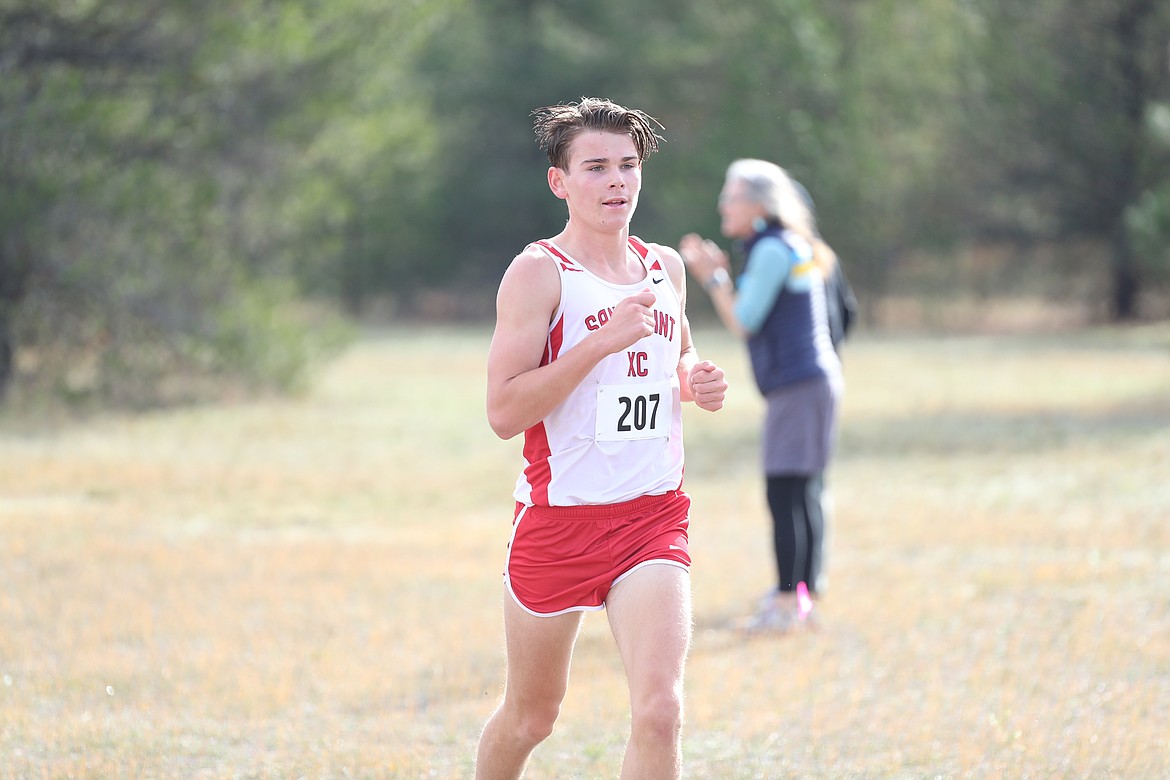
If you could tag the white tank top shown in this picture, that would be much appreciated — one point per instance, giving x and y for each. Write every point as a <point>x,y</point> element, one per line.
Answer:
<point>618,435</point>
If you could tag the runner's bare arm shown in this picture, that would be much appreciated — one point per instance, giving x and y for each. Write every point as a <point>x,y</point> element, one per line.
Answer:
<point>520,391</point>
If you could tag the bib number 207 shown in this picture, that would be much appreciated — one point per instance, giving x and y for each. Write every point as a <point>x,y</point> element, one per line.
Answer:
<point>627,412</point>
<point>635,412</point>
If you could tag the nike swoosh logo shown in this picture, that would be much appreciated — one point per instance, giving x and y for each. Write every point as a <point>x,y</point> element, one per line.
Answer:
<point>656,281</point>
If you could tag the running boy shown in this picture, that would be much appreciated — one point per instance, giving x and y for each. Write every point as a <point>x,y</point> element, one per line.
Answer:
<point>590,360</point>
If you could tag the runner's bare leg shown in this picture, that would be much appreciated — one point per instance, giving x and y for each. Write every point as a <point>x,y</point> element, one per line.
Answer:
<point>539,652</point>
<point>650,615</point>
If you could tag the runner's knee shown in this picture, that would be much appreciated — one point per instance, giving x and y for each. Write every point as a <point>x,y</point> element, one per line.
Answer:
<point>659,716</point>
<point>535,722</point>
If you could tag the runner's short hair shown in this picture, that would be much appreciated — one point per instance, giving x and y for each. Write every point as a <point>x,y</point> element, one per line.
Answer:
<point>557,126</point>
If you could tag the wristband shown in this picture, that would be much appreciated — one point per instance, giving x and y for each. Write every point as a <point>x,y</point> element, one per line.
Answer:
<point>717,279</point>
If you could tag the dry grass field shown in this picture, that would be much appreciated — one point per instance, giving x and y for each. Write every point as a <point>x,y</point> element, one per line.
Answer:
<point>310,588</point>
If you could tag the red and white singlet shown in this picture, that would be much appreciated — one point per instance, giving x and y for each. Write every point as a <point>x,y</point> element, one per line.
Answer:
<point>618,435</point>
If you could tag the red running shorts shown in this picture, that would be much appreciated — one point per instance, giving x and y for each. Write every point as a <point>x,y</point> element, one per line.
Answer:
<point>566,558</point>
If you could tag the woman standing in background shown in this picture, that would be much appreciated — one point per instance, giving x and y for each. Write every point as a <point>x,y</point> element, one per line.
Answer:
<point>778,305</point>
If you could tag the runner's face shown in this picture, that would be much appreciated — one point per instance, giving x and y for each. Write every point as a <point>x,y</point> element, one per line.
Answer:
<point>603,180</point>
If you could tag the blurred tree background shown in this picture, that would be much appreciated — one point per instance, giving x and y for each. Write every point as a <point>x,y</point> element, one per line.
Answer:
<point>198,198</point>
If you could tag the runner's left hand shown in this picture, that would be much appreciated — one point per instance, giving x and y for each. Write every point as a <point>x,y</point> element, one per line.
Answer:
<point>708,386</point>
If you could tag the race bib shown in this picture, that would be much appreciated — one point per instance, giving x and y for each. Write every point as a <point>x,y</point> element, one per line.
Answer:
<point>629,412</point>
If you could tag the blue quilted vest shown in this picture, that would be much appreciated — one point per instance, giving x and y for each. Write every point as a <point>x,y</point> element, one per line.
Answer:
<point>793,344</point>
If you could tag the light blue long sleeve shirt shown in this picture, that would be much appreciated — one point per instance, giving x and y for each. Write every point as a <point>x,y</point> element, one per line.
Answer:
<point>768,268</point>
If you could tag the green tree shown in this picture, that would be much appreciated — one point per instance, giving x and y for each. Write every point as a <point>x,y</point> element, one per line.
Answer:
<point>1064,140</point>
<point>365,192</point>
<point>487,70</point>
<point>844,94</point>
<point>144,155</point>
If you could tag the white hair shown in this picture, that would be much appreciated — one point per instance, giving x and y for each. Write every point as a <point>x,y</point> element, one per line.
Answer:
<point>770,186</point>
